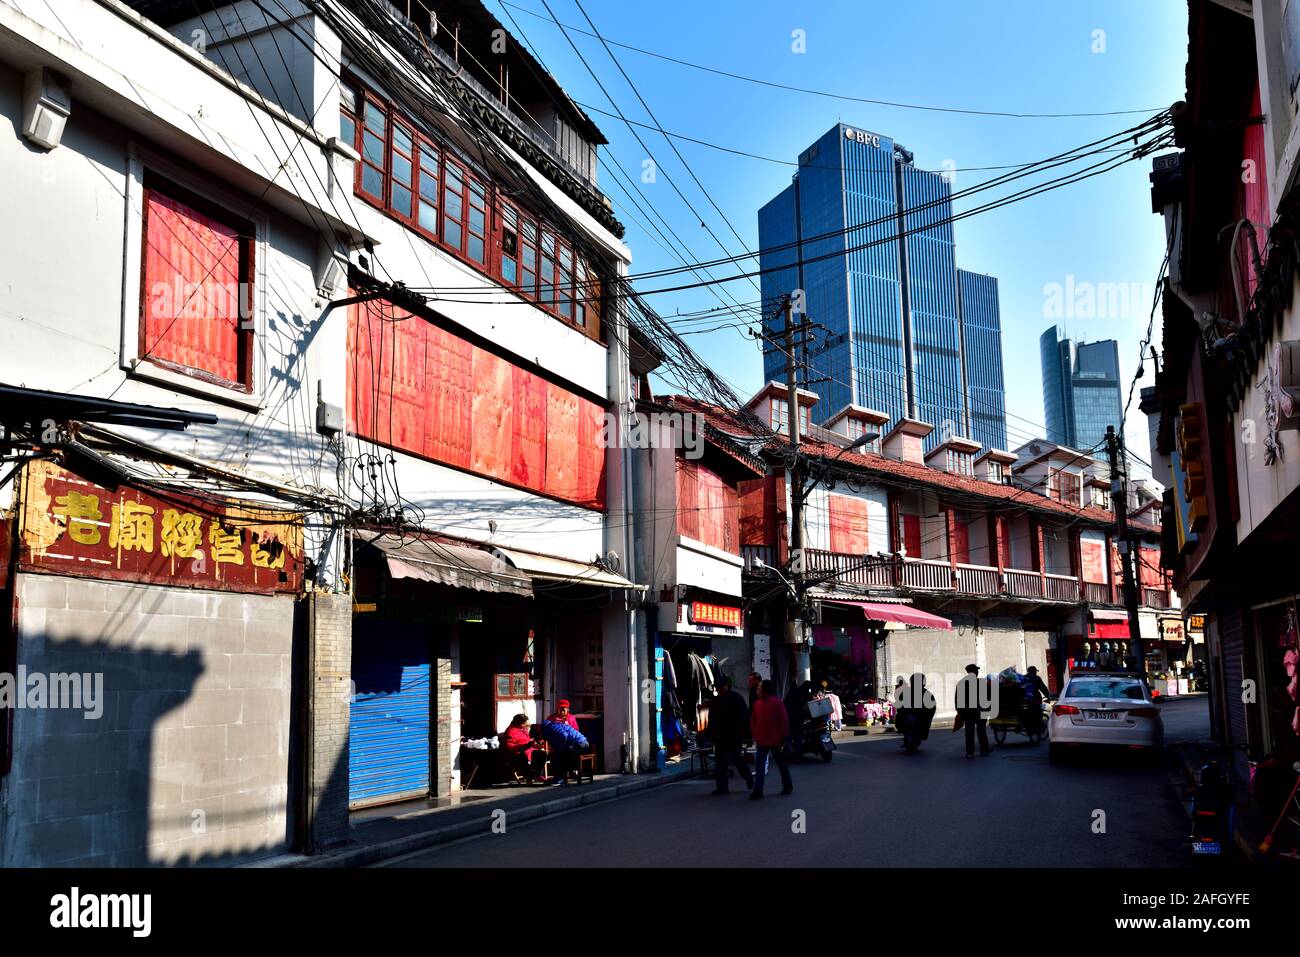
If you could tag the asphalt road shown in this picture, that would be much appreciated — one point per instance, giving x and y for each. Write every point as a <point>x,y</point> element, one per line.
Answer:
<point>876,806</point>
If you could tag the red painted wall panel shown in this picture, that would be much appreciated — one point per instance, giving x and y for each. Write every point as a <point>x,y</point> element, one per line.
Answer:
<point>1094,561</point>
<point>528,444</point>
<point>420,388</point>
<point>848,521</point>
<point>708,508</point>
<point>912,535</point>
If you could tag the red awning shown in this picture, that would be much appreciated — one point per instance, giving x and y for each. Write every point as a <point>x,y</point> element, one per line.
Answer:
<point>902,614</point>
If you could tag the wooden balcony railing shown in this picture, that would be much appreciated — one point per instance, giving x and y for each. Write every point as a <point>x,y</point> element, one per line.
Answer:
<point>928,575</point>
<point>1097,593</point>
<point>1155,597</point>
<point>977,580</point>
<point>1021,584</point>
<point>851,569</point>
<point>1061,587</point>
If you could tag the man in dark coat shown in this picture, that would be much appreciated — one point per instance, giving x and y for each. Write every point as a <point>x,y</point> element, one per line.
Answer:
<point>973,711</point>
<point>729,728</point>
<point>1036,693</point>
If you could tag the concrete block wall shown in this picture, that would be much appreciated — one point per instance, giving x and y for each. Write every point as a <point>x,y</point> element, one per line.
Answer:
<point>188,761</point>
<point>331,698</point>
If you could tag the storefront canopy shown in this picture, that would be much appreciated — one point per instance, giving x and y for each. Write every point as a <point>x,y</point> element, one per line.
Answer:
<point>459,566</point>
<point>1108,614</point>
<point>902,614</point>
<point>550,568</point>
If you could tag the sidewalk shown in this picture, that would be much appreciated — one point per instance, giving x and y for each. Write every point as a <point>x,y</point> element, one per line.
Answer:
<point>377,836</point>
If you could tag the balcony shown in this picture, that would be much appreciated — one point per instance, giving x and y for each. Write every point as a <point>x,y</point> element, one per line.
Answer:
<point>850,569</point>
<point>941,577</point>
<point>1097,593</point>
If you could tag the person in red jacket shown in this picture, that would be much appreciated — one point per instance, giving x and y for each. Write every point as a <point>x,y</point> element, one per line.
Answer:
<point>521,750</point>
<point>562,713</point>
<point>770,727</point>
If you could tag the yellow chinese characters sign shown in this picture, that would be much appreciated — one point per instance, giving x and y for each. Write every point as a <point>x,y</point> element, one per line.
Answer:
<point>70,524</point>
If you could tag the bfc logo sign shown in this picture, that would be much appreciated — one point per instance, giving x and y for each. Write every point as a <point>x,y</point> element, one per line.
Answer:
<point>862,136</point>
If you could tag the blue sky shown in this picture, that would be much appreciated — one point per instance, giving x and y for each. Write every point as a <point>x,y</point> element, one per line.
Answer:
<point>1014,56</point>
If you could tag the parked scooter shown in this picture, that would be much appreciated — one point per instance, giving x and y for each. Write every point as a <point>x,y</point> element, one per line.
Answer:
<point>1212,811</point>
<point>815,735</point>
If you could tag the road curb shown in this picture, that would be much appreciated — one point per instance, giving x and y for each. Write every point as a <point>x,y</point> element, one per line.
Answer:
<point>360,856</point>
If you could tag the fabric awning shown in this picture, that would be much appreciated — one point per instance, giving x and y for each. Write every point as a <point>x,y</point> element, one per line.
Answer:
<point>459,566</point>
<point>1108,614</point>
<point>550,568</point>
<point>902,614</point>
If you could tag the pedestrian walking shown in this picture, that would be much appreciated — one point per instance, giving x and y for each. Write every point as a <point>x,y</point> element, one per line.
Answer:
<point>729,728</point>
<point>972,711</point>
<point>770,728</point>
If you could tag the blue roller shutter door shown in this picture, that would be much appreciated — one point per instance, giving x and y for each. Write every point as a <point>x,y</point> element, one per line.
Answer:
<point>388,751</point>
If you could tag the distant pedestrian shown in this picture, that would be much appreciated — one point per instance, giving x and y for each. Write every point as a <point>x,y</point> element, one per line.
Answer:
<point>755,679</point>
<point>1037,694</point>
<point>729,728</point>
<point>972,711</point>
<point>770,728</point>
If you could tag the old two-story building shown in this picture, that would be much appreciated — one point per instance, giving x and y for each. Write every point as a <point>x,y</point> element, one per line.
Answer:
<point>919,561</point>
<point>1223,407</point>
<point>354,259</point>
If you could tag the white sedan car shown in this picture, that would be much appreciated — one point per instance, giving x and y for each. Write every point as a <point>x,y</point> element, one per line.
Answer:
<point>1105,708</point>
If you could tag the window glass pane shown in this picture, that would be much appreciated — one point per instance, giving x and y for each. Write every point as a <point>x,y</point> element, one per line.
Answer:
<point>530,258</point>
<point>402,138</point>
<point>401,168</point>
<point>580,315</point>
<point>453,204</point>
<point>476,248</point>
<point>530,232</point>
<point>509,270</point>
<point>548,243</point>
<point>375,118</point>
<point>476,190</point>
<point>510,215</point>
<point>428,158</point>
<point>477,220</point>
<point>347,129</point>
<point>530,282</point>
<point>348,98</point>
<point>451,232</point>
<point>566,258</point>
<point>454,177</point>
<point>373,148</point>
<point>372,181</point>
<point>429,217</point>
<point>401,199</point>
<point>429,186</point>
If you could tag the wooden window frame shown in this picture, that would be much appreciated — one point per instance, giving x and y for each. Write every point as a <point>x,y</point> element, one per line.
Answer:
<point>148,170</point>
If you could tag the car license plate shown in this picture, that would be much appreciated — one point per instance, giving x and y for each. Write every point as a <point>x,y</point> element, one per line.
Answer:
<point>1104,715</point>
<point>1206,847</point>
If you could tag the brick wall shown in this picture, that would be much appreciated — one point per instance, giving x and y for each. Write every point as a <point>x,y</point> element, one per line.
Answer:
<point>188,761</point>
<point>330,704</point>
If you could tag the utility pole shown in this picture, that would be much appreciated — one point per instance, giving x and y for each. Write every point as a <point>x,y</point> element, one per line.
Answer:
<point>794,625</point>
<point>1119,502</point>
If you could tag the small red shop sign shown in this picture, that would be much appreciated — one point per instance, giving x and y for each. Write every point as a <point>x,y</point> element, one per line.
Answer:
<point>75,527</point>
<point>706,613</point>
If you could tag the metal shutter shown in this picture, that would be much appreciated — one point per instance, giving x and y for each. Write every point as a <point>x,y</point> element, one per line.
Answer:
<point>1231,648</point>
<point>388,748</point>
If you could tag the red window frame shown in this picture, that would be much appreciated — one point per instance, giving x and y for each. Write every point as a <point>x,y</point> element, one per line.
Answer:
<point>246,276</point>
<point>469,217</point>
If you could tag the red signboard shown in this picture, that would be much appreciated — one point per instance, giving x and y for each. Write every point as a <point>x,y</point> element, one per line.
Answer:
<point>706,613</point>
<point>75,527</point>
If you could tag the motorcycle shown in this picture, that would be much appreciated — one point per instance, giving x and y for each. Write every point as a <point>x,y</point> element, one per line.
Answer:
<point>914,713</point>
<point>1212,811</point>
<point>815,735</point>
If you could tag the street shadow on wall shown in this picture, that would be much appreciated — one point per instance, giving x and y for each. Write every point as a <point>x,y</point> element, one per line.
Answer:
<point>134,787</point>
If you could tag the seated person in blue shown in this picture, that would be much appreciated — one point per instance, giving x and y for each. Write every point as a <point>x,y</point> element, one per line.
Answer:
<point>566,742</point>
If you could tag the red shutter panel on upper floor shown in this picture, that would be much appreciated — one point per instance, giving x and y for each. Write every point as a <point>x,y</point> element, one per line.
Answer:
<point>493,416</point>
<point>848,521</point>
<point>449,378</point>
<point>197,271</point>
<point>688,500</point>
<point>912,535</point>
<point>561,442</point>
<point>528,435</point>
<point>591,454</point>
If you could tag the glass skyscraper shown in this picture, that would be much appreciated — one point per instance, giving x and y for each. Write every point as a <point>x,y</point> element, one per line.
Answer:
<point>1082,392</point>
<point>893,308</point>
